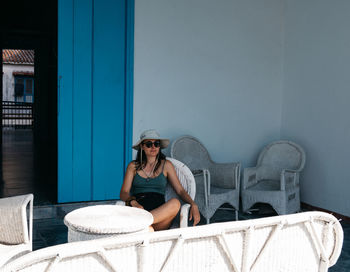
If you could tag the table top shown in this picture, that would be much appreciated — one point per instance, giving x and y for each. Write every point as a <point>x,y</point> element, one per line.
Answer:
<point>108,219</point>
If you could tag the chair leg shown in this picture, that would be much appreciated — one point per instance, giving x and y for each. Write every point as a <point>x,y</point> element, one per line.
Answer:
<point>208,221</point>
<point>236,212</point>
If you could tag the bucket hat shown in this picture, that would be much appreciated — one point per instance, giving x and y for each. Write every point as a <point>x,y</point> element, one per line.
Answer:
<point>151,134</point>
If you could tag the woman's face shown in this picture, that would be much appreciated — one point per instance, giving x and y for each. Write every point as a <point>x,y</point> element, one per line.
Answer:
<point>151,147</point>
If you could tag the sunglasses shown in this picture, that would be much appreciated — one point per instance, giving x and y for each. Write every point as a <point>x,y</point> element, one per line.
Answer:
<point>149,144</point>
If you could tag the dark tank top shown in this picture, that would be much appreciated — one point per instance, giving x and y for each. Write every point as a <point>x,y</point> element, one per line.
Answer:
<point>146,185</point>
<point>149,192</point>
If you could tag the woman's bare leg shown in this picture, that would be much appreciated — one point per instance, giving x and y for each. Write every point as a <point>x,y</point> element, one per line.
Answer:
<point>164,214</point>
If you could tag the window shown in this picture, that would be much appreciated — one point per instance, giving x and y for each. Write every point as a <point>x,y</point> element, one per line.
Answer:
<point>24,89</point>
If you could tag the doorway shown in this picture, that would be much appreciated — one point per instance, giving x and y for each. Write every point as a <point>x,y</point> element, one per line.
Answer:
<point>29,104</point>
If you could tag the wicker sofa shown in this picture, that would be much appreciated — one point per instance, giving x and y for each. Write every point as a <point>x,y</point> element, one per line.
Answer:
<point>309,241</point>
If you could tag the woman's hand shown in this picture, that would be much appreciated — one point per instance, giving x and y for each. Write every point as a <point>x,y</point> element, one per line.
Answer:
<point>194,213</point>
<point>135,204</point>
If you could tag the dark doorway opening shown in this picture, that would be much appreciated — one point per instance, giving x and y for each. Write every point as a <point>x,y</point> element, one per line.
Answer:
<point>29,156</point>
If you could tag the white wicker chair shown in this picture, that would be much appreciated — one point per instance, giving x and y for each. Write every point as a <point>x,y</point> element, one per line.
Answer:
<point>309,241</point>
<point>187,181</point>
<point>216,183</point>
<point>275,179</point>
<point>15,230</point>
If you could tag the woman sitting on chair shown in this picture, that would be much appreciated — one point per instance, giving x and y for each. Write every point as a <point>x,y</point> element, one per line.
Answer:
<point>146,179</point>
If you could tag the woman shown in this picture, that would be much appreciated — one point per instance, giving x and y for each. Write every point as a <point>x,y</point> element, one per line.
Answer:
<point>146,179</point>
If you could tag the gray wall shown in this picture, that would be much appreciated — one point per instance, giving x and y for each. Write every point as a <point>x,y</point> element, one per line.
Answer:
<point>241,73</point>
<point>212,69</point>
<point>316,97</point>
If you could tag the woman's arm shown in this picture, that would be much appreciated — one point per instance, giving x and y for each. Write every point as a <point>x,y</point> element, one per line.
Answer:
<point>126,187</point>
<point>174,181</point>
<point>128,178</point>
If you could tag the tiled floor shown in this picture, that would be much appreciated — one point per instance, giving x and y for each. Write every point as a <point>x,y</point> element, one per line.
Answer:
<point>49,228</point>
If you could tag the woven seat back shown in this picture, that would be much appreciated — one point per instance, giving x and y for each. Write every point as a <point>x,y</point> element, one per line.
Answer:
<point>191,152</point>
<point>281,155</point>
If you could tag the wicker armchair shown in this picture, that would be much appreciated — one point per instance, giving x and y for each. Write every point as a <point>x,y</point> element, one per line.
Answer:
<point>187,181</point>
<point>298,242</point>
<point>15,230</point>
<point>216,183</point>
<point>275,179</point>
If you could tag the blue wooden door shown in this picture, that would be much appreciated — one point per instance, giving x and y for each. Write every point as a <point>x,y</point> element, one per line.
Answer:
<point>95,46</point>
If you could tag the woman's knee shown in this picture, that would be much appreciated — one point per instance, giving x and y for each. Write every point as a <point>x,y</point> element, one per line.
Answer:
<point>175,204</point>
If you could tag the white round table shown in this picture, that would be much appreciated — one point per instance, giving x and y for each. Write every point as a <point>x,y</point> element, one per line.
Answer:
<point>105,220</point>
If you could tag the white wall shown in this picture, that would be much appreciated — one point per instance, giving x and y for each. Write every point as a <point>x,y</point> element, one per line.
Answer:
<point>8,80</point>
<point>239,74</point>
<point>211,69</point>
<point>316,97</point>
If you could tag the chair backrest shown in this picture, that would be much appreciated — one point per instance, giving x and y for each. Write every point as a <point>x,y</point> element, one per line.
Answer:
<point>186,178</point>
<point>281,155</point>
<point>309,241</point>
<point>14,228</point>
<point>191,152</point>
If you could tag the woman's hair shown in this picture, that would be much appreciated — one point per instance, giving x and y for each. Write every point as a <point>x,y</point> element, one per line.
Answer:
<point>141,159</point>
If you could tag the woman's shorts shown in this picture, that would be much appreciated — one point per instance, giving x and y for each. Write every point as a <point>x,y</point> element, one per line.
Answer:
<point>150,200</point>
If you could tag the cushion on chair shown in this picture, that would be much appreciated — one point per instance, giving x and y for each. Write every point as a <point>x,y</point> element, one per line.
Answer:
<point>266,185</point>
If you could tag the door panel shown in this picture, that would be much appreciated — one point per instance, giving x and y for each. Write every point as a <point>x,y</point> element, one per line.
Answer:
<point>109,98</point>
<point>82,99</point>
<point>94,121</point>
<point>65,99</point>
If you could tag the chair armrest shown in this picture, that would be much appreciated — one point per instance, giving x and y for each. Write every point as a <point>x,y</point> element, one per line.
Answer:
<point>197,173</point>
<point>184,212</point>
<point>206,182</point>
<point>250,177</point>
<point>288,175</point>
<point>13,222</point>
<point>225,175</point>
<point>120,203</point>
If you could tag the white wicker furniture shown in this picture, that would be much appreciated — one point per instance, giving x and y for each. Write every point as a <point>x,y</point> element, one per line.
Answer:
<point>275,179</point>
<point>187,181</point>
<point>308,242</point>
<point>216,183</point>
<point>15,228</point>
<point>100,221</point>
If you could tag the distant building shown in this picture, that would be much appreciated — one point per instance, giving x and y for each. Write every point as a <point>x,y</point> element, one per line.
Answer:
<point>18,75</point>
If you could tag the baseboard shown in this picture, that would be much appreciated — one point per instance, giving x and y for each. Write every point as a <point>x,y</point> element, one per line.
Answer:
<point>314,208</point>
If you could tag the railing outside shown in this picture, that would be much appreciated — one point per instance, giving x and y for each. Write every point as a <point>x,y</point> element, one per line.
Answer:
<point>17,114</point>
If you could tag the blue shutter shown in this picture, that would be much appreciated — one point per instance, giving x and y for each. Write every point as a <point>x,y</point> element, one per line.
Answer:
<point>94,105</point>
